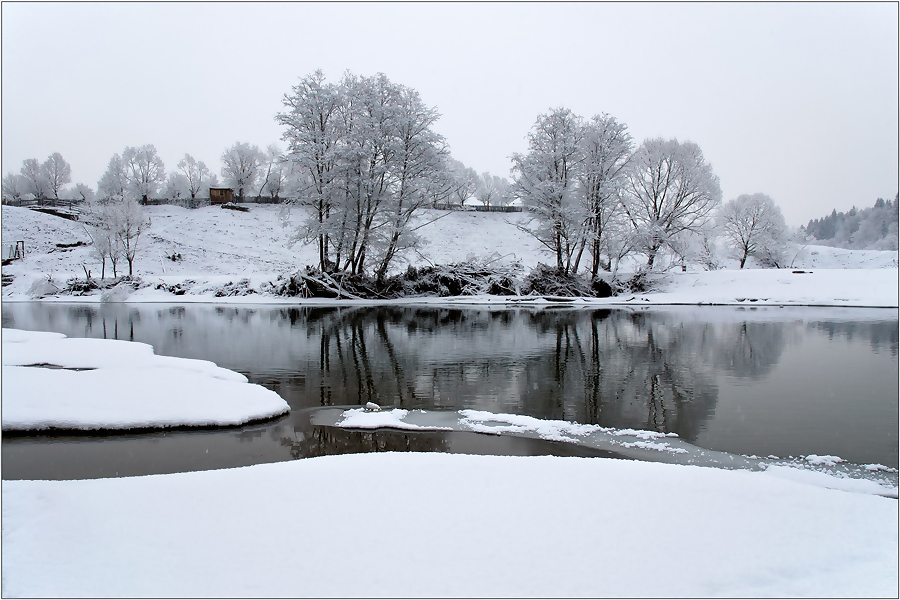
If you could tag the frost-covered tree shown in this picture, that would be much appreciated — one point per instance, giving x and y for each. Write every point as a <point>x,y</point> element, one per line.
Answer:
<point>546,182</point>
<point>195,173</point>
<point>114,181</point>
<point>605,148</point>
<point>465,181</point>
<point>115,221</point>
<point>34,178</point>
<point>271,172</point>
<point>57,173</point>
<point>129,222</point>
<point>81,193</point>
<point>99,225</point>
<point>315,134</point>
<point>365,160</point>
<point>419,165</point>
<point>754,226</point>
<point>878,227</point>
<point>492,189</point>
<point>145,171</point>
<point>13,187</point>
<point>367,117</point>
<point>177,186</point>
<point>241,168</point>
<point>670,189</point>
<point>115,227</point>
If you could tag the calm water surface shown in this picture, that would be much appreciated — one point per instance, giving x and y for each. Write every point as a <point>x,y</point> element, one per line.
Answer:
<point>771,381</point>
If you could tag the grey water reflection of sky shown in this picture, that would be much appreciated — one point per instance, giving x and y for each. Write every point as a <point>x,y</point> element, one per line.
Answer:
<point>796,100</point>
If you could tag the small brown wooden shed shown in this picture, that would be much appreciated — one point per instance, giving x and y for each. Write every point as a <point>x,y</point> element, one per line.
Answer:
<point>219,195</point>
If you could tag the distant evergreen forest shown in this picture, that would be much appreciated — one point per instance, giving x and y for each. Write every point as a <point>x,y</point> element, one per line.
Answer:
<point>872,228</point>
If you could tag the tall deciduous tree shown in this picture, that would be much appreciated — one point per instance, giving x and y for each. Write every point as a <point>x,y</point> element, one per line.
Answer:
<point>754,226</point>
<point>115,226</point>
<point>195,173</point>
<point>177,186</point>
<point>57,173</point>
<point>129,223</point>
<point>271,172</point>
<point>419,159</point>
<point>82,193</point>
<point>99,226</point>
<point>670,189</point>
<point>145,171</point>
<point>314,133</point>
<point>114,181</point>
<point>465,181</point>
<point>34,178</point>
<point>605,149</point>
<point>367,159</point>
<point>545,180</point>
<point>13,186</point>
<point>241,168</point>
<point>491,189</point>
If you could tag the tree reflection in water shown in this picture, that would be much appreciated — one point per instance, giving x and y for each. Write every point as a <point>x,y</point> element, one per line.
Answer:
<point>646,369</point>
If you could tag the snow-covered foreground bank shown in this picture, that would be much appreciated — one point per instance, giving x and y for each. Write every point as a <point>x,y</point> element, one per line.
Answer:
<point>217,247</point>
<point>419,525</point>
<point>113,384</point>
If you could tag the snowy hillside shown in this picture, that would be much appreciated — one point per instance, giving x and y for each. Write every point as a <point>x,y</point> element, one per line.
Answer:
<point>214,246</point>
<point>215,241</point>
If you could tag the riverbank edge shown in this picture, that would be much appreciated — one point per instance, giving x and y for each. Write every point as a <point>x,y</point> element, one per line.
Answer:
<point>856,288</point>
<point>449,301</point>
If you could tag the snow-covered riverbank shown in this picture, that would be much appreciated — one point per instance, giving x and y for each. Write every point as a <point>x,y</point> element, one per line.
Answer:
<point>426,525</point>
<point>219,247</point>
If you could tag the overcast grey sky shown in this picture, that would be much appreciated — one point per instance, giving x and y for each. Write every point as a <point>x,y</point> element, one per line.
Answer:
<point>796,100</point>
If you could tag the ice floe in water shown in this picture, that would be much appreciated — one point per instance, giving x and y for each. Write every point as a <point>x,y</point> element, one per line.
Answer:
<point>51,381</point>
<point>823,471</point>
<point>365,418</point>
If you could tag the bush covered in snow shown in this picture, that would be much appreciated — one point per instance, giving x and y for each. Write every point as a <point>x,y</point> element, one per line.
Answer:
<point>43,287</point>
<point>470,278</point>
<point>241,288</point>
<point>78,286</point>
<point>179,289</point>
<point>545,280</point>
<point>473,277</point>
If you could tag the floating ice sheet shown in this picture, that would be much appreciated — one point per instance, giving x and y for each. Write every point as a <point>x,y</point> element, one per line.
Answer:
<point>120,385</point>
<point>825,471</point>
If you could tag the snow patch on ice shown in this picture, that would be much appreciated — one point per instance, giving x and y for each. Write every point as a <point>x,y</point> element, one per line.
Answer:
<point>879,467</point>
<point>662,447</point>
<point>483,422</point>
<point>643,434</point>
<point>360,418</point>
<point>826,460</point>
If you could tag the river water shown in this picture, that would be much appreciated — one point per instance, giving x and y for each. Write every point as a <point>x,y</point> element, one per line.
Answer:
<point>785,382</point>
